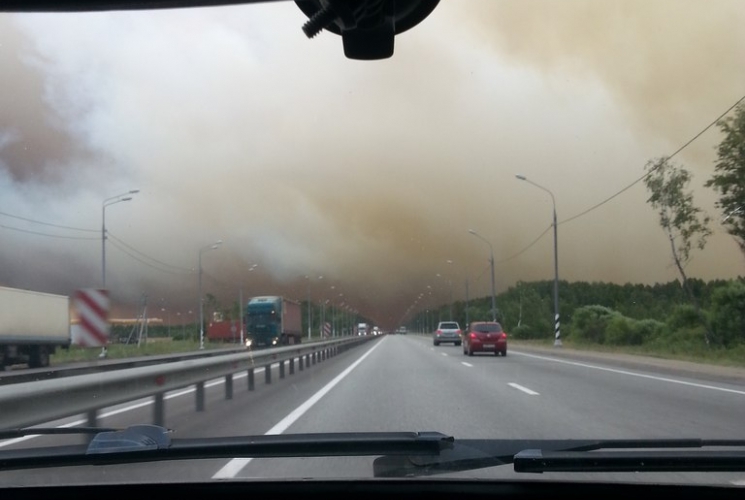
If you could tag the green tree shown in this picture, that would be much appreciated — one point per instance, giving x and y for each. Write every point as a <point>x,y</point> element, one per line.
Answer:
<point>728,312</point>
<point>729,175</point>
<point>684,223</point>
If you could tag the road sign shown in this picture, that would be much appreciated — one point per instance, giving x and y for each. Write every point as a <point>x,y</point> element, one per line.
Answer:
<point>92,306</point>
<point>326,329</point>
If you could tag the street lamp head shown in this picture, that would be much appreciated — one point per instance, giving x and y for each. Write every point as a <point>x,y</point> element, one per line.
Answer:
<point>472,231</point>
<point>126,199</point>
<point>521,177</point>
<point>134,191</point>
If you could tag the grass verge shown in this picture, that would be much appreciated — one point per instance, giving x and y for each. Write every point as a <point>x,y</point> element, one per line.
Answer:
<point>734,357</point>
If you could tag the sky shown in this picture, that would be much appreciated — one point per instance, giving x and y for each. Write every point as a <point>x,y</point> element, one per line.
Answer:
<point>353,181</point>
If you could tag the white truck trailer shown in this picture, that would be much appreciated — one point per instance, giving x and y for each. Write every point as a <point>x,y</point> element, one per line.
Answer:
<point>32,326</point>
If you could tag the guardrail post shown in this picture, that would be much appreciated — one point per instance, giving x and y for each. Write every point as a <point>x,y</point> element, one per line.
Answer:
<point>300,362</point>
<point>268,373</point>
<point>314,356</point>
<point>159,410</point>
<point>92,417</point>
<point>292,366</point>
<point>200,396</point>
<point>229,386</point>
<point>282,369</point>
<point>250,379</point>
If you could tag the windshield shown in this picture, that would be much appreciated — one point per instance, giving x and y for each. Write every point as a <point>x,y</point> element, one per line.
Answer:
<point>570,173</point>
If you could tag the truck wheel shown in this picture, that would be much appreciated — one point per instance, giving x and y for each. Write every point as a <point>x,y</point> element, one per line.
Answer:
<point>39,358</point>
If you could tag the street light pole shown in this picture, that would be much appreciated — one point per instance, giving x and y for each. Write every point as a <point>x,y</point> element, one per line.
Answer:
<point>109,201</point>
<point>309,318</point>
<point>491,262</point>
<point>214,246</point>
<point>557,329</point>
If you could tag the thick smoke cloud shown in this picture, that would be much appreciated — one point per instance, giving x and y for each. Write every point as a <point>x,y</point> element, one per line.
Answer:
<point>236,127</point>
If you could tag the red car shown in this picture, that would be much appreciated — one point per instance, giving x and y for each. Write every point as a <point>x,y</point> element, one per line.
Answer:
<point>485,336</point>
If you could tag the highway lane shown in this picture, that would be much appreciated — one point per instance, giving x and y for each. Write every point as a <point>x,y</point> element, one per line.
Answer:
<point>403,383</point>
<point>439,389</point>
<point>247,413</point>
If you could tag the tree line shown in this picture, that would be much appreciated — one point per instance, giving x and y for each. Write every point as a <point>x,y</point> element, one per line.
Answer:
<point>610,313</point>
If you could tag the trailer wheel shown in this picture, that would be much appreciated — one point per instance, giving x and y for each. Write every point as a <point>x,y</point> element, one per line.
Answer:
<point>39,358</point>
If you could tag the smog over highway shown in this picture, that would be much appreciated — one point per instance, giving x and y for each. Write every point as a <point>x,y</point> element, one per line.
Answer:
<point>362,187</point>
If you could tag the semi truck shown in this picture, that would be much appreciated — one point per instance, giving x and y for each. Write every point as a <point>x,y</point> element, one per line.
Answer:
<point>272,320</point>
<point>32,326</point>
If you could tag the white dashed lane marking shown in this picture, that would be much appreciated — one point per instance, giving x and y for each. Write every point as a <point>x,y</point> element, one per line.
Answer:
<point>524,389</point>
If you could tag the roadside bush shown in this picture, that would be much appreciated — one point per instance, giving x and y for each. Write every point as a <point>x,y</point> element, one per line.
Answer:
<point>728,313</point>
<point>649,329</point>
<point>589,323</point>
<point>526,332</point>
<point>683,316</point>
<point>689,340</point>
<point>621,330</point>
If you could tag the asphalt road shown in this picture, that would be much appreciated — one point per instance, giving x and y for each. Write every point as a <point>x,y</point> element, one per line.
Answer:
<point>404,383</point>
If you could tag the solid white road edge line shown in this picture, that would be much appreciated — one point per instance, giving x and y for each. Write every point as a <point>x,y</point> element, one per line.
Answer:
<point>633,374</point>
<point>234,466</point>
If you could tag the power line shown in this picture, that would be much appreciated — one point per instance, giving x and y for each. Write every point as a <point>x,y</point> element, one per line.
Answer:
<point>676,152</point>
<point>38,233</point>
<point>144,255</point>
<point>527,247</point>
<point>651,171</point>
<point>49,223</point>
<point>135,257</point>
<point>482,272</point>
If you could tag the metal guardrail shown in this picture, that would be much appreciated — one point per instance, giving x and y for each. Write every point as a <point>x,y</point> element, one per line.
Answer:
<point>32,403</point>
<point>102,365</point>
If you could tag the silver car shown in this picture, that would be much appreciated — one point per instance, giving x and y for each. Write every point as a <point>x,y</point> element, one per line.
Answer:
<point>447,331</point>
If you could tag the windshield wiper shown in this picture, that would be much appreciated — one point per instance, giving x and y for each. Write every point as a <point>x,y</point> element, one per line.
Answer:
<point>571,455</point>
<point>39,431</point>
<point>722,460</point>
<point>400,454</point>
<point>148,443</point>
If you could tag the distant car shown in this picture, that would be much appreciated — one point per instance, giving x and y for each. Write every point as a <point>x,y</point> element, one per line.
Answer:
<point>447,331</point>
<point>485,336</point>
<point>401,330</point>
